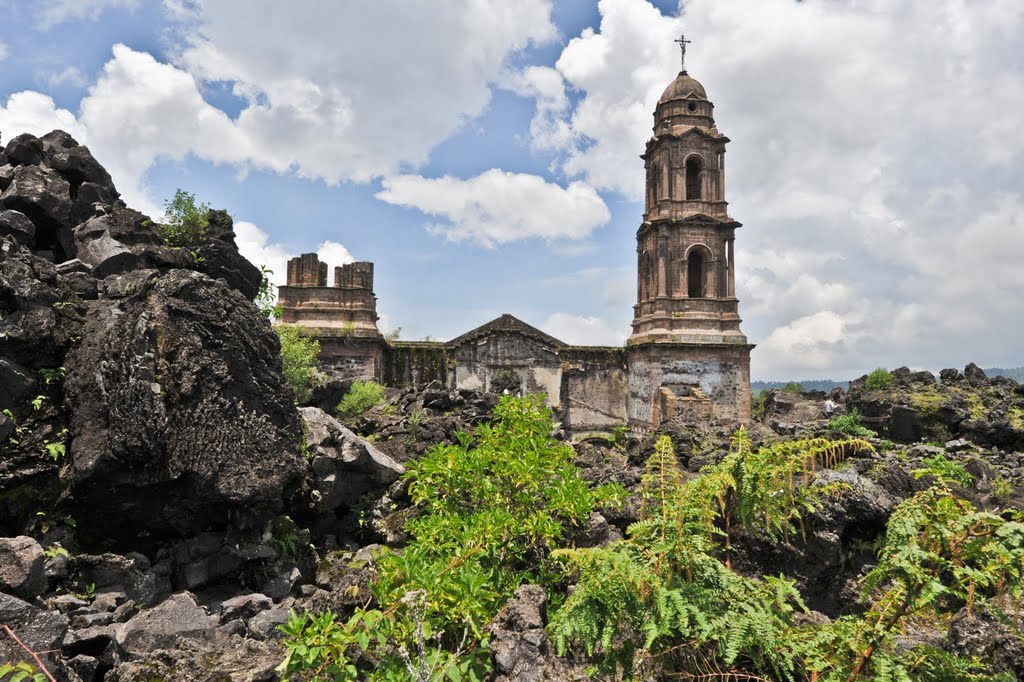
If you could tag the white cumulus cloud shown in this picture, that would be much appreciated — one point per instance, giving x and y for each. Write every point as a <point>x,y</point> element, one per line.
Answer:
<point>36,113</point>
<point>497,207</point>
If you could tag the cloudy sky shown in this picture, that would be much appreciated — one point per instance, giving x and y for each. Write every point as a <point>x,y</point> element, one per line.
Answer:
<point>484,153</point>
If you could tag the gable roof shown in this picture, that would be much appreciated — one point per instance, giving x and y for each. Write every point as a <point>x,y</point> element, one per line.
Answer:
<point>506,324</point>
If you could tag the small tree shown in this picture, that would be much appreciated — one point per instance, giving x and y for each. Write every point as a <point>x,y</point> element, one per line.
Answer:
<point>299,361</point>
<point>184,223</point>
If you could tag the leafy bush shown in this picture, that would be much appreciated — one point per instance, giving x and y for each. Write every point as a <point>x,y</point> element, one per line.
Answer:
<point>849,424</point>
<point>793,387</point>
<point>361,396</point>
<point>878,379</point>
<point>490,510</point>
<point>945,471</point>
<point>184,223</point>
<point>299,361</point>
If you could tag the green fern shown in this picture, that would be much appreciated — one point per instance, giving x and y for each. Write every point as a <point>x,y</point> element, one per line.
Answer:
<point>20,672</point>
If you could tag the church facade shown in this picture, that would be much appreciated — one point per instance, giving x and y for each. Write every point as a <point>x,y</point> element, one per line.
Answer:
<point>686,357</point>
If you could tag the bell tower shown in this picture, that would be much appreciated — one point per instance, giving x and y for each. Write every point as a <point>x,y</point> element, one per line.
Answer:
<point>686,323</point>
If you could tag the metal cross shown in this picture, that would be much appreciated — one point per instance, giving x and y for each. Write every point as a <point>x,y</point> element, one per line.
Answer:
<point>682,46</point>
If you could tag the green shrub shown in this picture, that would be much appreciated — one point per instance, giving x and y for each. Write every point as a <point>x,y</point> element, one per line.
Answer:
<point>361,396</point>
<point>878,379</point>
<point>944,470</point>
<point>489,512</point>
<point>299,361</point>
<point>184,223</point>
<point>1002,489</point>
<point>849,424</point>
<point>793,387</point>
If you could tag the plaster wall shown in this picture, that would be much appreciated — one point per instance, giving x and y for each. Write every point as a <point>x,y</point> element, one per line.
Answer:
<point>538,367</point>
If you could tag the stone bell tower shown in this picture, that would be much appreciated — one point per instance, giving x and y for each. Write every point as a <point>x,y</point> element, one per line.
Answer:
<point>688,356</point>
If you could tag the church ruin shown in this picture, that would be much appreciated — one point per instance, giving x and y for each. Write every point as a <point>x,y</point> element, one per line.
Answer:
<point>686,356</point>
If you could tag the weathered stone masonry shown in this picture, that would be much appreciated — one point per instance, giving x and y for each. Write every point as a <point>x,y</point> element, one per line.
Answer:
<point>686,357</point>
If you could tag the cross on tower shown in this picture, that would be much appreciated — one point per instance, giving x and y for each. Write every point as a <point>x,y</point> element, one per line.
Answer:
<point>682,46</point>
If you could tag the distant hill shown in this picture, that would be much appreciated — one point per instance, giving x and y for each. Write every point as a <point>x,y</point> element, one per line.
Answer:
<point>1015,373</point>
<point>808,385</point>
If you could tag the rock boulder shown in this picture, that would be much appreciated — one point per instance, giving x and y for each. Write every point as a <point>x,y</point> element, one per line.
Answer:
<point>179,415</point>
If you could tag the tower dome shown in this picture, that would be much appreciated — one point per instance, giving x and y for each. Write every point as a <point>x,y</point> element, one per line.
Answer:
<point>683,87</point>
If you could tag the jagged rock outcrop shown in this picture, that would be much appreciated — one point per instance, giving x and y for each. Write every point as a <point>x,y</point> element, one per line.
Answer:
<point>914,407</point>
<point>179,416</point>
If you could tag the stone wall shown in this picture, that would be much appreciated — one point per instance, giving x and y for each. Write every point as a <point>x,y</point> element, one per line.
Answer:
<point>415,363</point>
<point>350,357</point>
<point>594,388</point>
<point>699,380</point>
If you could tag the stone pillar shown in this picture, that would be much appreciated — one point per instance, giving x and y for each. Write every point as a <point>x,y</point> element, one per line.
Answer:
<point>732,269</point>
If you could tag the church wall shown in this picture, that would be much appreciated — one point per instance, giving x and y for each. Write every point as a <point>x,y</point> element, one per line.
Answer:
<point>415,363</point>
<point>351,358</point>
<point>479,362</point>
<point>721,373</point>
<point>594,388</point>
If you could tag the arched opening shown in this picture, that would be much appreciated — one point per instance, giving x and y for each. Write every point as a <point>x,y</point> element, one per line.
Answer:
<point>693,173</point>
<point>695,274</point>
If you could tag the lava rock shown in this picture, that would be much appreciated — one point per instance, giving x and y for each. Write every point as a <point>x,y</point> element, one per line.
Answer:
<point>345,466</point>
<point>38,629</point>
<point>78,166</point>
<point>17,225</point>
<point>42,195</point>
<point>180,417</point>
<point>520,648</point>
<point>24,150</point>
<point>161,626</point>
<point>21,567</point>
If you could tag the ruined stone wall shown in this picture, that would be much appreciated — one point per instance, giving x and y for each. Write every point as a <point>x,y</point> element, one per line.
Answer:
<point>536,367</point>
<point>346,357</point>
<point>415,363</point>
<point>699,378</point>
<point>594,388</point>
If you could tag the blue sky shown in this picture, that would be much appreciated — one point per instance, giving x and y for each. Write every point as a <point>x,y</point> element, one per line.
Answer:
<point>485,155</point>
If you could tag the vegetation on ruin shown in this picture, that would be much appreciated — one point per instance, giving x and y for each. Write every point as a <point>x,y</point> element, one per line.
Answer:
<point>361,397</point>
<point>490,511</point>
<point>299,362</point>
<point>879,378</point>
<point>184,223</point>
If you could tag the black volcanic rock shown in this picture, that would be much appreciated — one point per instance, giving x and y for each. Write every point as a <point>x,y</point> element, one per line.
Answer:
<point>24,150</point>
<point>78,166</point>
<point>44,196</point>
<point>180,420</point>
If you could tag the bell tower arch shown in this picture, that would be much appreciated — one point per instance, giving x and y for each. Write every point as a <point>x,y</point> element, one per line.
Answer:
<point>686,323</point>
